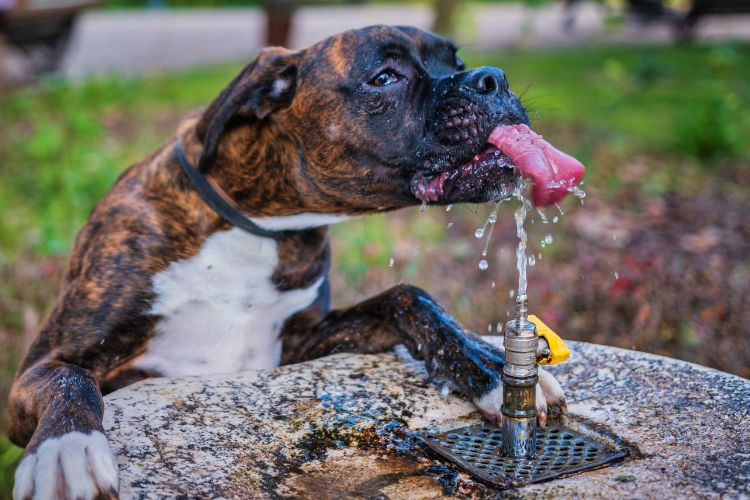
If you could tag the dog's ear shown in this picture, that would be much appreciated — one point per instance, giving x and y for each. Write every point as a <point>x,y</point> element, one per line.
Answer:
<point>264,86</point>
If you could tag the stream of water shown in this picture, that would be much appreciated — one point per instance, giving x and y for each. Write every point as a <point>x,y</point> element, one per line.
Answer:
<point>520,215</point>
<point>523,260</point>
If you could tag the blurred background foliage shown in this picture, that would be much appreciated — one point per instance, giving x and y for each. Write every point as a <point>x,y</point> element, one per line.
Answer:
<point>656,259</point>
<point>64,144</point>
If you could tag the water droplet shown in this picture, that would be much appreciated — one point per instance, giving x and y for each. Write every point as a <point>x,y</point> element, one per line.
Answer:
<point>391,262</point>
<point>423,207</point>
<point>548,239</point>
<point>577,192</point>
<point>532,260</point>
<point>450,225</point>
<point>555,219</point>
<point>559,208</point>
<point>483,264</point>
<point>418,249</point>
<point>617,275</point>
<point>489,327</point>
<point>492,218</point>
<point>449,208</point>
<point>499,327</point>
<point>511,293</point>
<point>445,391</point>
<point>542,215</point>
<point>493,284</point>
<point>479,233</point>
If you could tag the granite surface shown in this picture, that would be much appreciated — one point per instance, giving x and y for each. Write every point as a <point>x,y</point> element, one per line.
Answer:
<point>347,426</point>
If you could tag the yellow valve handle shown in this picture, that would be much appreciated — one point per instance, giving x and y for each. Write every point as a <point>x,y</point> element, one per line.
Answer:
<point>559,352</point>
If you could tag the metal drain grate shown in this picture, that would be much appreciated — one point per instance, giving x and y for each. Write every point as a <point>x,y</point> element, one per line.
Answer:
<point>560,451</point>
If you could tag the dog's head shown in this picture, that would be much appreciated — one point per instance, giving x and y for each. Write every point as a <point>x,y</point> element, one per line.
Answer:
<point>370,119</point>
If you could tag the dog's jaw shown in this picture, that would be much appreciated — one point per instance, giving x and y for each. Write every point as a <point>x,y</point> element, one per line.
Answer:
<point>513,151</point>
<point>489,175</point>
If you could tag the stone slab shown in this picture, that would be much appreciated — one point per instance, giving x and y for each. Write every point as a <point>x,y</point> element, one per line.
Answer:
<point>346,426</point>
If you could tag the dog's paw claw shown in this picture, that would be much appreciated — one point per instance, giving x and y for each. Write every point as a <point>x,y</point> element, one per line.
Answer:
<point>541,416</point>
<point>549,395</point>
<point>74,465</point>
<point>549,400</point>
<point>489,405</point>
<point>496,418</point>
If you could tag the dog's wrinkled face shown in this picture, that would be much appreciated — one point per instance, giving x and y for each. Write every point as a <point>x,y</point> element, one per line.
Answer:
<point>380,118</point>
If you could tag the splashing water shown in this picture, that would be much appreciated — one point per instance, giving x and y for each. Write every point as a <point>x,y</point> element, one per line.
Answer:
<point>491,220</point>
<point>542,216</point>
<point>480,232</point>
<point>577,192</point>
<point>449,208</point>
<point>445,391</point>
<point>546,241</point>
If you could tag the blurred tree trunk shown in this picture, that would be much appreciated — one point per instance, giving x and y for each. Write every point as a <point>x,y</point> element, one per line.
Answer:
<point>445,11</point>
<point>279,14</point>
<point>2,70</point>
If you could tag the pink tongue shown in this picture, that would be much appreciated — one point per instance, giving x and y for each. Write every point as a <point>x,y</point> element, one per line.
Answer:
<point>552,171</point>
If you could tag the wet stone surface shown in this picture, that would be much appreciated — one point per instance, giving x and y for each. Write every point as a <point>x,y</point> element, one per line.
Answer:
<point>347,426</point>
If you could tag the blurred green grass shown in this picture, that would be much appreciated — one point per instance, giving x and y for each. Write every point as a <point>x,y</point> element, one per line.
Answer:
<point>685,109</point>
<point>63,144</point>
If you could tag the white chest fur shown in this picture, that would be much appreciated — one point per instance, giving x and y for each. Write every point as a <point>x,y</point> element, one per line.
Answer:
<point>219,310</point>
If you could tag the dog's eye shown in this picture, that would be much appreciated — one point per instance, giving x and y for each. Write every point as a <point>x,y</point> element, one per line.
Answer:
<point>385,78</point>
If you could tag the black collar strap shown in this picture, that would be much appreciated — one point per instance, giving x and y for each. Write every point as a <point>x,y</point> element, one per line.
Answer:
<point>217,199</point>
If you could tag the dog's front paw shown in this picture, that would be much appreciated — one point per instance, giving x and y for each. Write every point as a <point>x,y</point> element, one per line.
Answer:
<point>74,466</point>
<point>549,398</point>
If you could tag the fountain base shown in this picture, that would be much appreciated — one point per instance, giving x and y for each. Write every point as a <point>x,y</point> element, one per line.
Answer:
<point>560,451</point>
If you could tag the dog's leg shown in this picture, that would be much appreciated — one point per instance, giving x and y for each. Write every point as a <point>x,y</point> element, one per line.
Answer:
<point>408,315</point>
<point>57,409</point>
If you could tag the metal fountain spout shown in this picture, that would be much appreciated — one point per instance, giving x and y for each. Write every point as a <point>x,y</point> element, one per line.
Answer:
<point>519,453</point>
<point>528,342</point>
<point>519,384</point>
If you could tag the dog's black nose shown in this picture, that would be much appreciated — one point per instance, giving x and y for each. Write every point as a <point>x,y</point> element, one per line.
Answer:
<point>486,81</point>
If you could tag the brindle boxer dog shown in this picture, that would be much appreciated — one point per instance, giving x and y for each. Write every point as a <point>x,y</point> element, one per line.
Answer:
<point>212,254</point>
